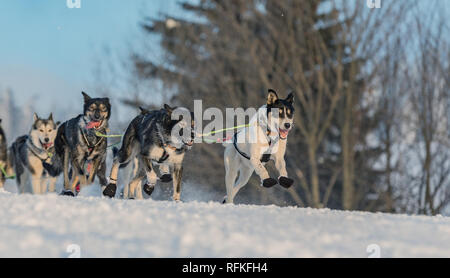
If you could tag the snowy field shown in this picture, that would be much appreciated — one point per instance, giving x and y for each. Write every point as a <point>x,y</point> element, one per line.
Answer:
<point>46,226</point>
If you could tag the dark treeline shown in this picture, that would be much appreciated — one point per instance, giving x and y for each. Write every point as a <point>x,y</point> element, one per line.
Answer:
<point>371,89</point>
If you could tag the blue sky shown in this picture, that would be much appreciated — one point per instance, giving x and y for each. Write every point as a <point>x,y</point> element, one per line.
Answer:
<point>49,51</point>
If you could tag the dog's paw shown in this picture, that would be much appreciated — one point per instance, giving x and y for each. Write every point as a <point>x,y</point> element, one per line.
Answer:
<point>110,190</point>
<point>148,189</point>
<point>267,183</point>
<point>166,178</point>
<point>67,193</point>
<point>286,182</point>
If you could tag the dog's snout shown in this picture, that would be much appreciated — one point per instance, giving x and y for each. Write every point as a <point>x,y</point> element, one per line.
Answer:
<point>287,125</point>
<point>47,140</point>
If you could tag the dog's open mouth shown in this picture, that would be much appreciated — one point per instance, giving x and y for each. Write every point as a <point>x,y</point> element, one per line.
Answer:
<point>284,133</point>
<point>94,124</point>
<point>189,144</point>
<point>46,146</point>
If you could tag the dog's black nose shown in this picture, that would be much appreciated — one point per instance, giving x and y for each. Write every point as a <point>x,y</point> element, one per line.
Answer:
<point>46,140</point>
<point>287,125</point>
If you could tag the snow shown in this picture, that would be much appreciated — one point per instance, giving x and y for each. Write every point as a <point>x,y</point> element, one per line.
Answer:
<point>50,225</point>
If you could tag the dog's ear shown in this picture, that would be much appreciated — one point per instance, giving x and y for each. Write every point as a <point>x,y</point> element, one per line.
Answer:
<point>50,118</point>
<point>290,98</point>
<point>86,97</point>
<point>35,117</point>
<point>272,97</point>
<point>143,110</point>
<point>168,108</point>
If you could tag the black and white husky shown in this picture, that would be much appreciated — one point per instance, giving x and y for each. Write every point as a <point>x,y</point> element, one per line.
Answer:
<point>79,143</point>
<point>265,139</point>
<point>149,138</point>
<point>29,153</point>
<point>3,156</point>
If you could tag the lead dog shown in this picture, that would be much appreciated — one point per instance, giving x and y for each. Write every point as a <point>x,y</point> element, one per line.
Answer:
<point>149,139</point>
<point>79,145</point>
<point>265,139</point>
<point>29,153</point>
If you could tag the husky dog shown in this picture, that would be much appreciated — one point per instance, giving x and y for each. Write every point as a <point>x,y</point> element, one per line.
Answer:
<point>3,156</point>
<point>149,139</point>
<point>79,144</point>
<point>246,155</point>
<point>29,153</point>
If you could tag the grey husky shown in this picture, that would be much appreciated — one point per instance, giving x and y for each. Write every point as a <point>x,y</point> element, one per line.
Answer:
<point>3,156</point>
<point>149,139</point>
<point>243,156</point>
<point>79,143</point>
<point>29,153</point>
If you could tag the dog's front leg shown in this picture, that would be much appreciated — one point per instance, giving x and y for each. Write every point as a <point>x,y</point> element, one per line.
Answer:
<point>51,184</point>
<point>36,168</point>
<point>177,176</point>
<point>261,171</point>
<point>165,173</point>
<point>101,174</point>
<point>152,178</point>
<point>280,165</point>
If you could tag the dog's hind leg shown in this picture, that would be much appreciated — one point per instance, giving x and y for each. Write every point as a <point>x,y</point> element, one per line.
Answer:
<point>231,170</point>
<point>134,186</point>
<point>177,176</point>
<point>244,176</point>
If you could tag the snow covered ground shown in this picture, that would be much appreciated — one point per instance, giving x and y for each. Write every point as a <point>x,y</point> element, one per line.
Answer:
<point>50,226</point>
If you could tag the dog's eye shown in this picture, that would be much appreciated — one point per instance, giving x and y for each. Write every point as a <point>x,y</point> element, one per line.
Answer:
<point>50,130</point>
<point>41,130</point>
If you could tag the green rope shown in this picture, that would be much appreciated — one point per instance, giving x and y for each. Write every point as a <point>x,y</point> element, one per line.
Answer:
<point>224,129</point>
<point>6,175</point>
<point>99,134</point>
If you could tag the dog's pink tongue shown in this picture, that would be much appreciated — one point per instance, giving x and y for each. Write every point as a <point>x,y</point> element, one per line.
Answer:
<point>284,133</point>
<point>93,124</point>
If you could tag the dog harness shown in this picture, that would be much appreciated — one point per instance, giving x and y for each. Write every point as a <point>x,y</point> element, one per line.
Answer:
<point>88,144</point>
<point>265,157</point>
